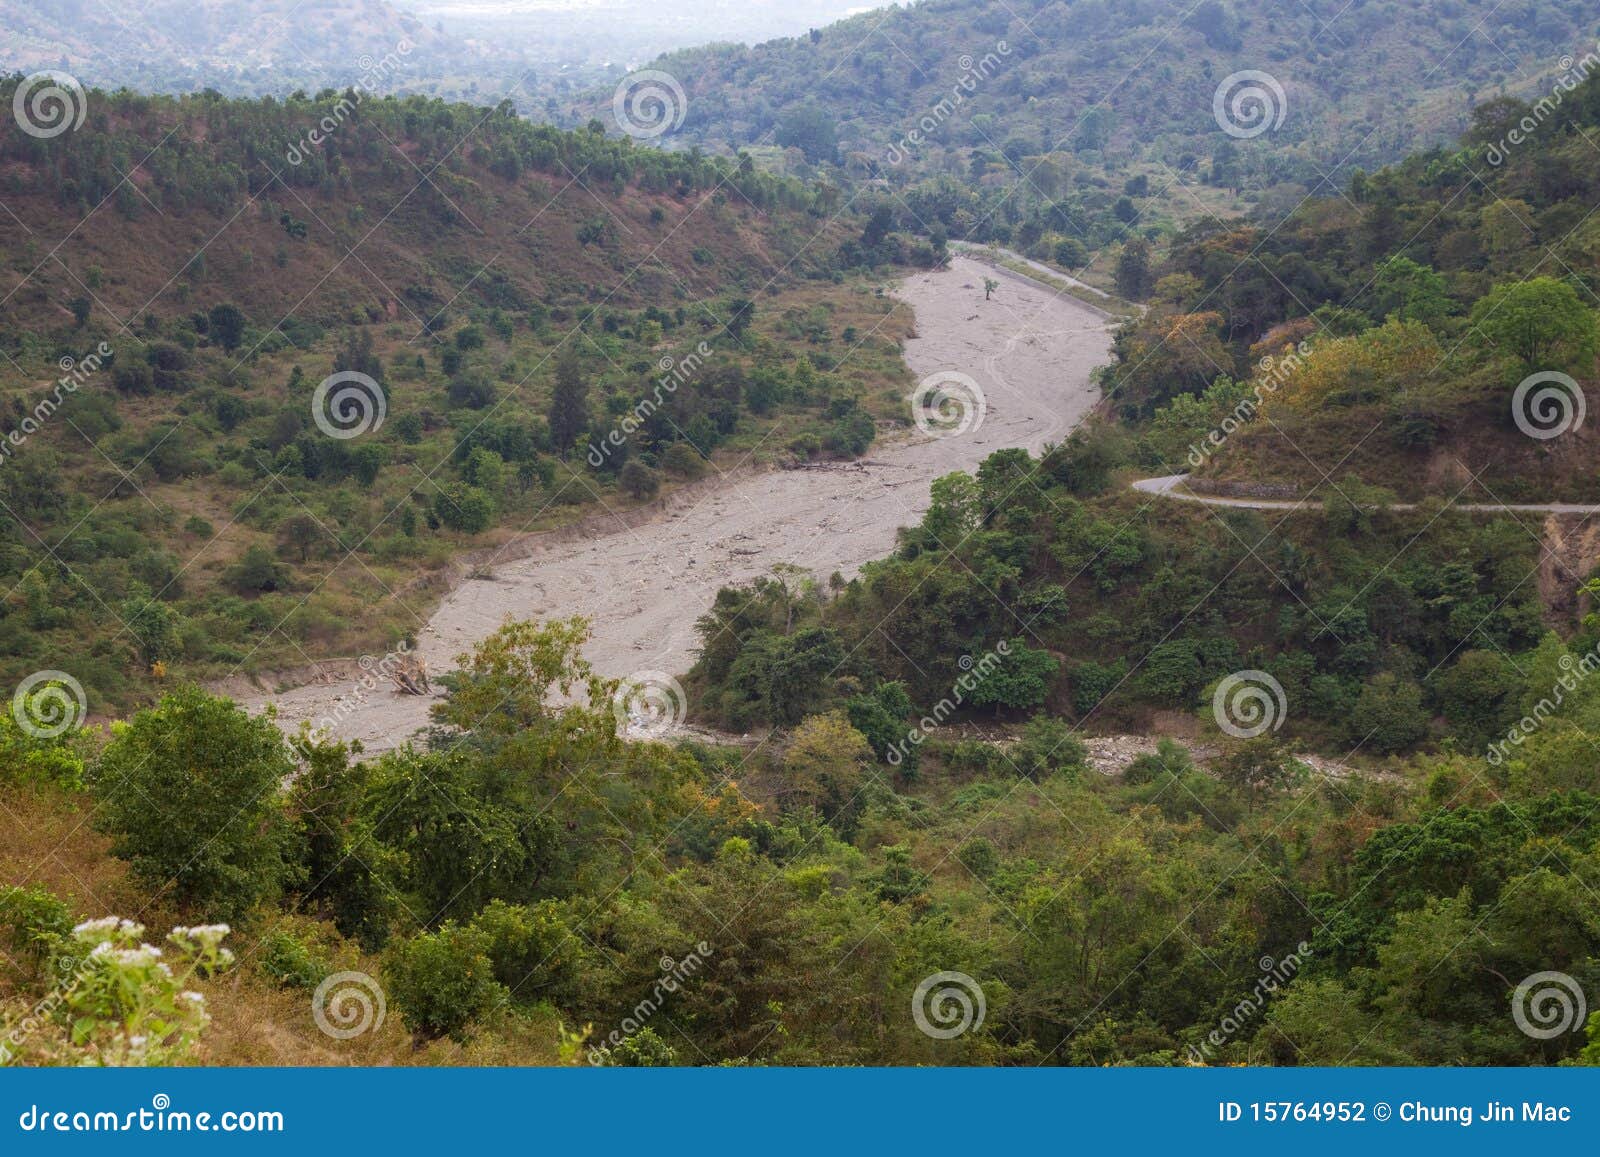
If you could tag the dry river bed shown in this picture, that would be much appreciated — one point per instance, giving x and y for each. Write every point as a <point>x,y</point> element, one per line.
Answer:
<point>1029,349</point>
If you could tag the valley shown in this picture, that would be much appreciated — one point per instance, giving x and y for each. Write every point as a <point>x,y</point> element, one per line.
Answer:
<point>1072,518</point>
<point>643,584</point>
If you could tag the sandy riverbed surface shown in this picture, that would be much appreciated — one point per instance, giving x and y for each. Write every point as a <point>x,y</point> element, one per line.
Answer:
<point>1029,349</point>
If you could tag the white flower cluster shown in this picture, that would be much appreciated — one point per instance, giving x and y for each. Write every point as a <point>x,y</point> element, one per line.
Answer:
<point>107,928</point>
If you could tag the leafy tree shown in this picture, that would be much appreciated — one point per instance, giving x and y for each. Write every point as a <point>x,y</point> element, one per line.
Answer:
<point>226,326</point>
<point>1412,292</point>
<point>301,533</point>
<point>1133,269</point>
<point>641,1050</point>
<point>809,128</point>
<point>464,508</point>
<point>825,764</point>
<point>485,469</point>
<point>741,312</point>
<point>1257,766</point>
<point>367,460</point>
<point>638,480</point>
<point>537,956</point>
<point>189,791</point>
<point>881,719</point>
<point>153,625</point>
<point>458,838</point>
<point>505,684</point>
<point>1388,716</point>
<point>256,572</point>
<point>1048,747</point>
<point>1541,321</point>
<point>569,404</point>
<point>1020,681</point>
<point>346,872</point>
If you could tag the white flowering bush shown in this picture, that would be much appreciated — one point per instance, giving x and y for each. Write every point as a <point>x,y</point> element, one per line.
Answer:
<point>120,1000</point>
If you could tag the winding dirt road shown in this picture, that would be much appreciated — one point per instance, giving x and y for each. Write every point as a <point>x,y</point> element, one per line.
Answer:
<point>1030,350</point>
<point>1173,486</point>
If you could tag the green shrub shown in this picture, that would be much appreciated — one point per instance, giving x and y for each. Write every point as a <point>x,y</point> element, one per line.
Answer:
<point>36,923</point>
<point>1047,748</point>
<point>443,982</point>
<point>683,460</point>
<point>643,1050</point>
<point>979,857</point>
<point>535,954</point>
<point>42,759</point>
<point>287,959</point>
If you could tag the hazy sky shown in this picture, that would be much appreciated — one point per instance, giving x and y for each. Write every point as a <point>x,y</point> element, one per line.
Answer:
<point>687,21</point>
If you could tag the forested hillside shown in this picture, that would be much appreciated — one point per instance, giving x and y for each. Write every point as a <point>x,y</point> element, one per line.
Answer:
<point>182,276</point>
<point>1064,127</point>
<point>1411,308</point>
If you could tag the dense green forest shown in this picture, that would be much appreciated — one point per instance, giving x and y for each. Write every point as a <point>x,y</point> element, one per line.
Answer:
<point>1364,879</point>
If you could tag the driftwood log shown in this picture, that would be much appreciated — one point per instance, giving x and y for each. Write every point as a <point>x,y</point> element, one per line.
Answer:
<point>410,675</point>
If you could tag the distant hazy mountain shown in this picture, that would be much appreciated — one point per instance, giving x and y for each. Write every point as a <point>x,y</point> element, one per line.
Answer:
<point>1357,82</point>
<point>626,32</point>
<point>236,46</point>
<point>479,50</point>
